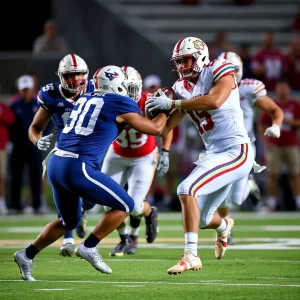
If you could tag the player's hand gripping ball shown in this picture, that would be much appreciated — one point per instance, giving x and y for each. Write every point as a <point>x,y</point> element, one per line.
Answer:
<point>170,93</point>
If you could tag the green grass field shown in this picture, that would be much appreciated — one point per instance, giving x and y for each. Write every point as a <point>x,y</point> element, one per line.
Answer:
<point>263,263</point>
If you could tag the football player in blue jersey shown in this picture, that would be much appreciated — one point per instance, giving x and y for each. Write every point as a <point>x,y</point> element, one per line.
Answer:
<point>56,100</point>
<point>95,122</point>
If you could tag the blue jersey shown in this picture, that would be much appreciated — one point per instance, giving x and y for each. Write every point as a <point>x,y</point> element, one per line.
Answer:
<point>51,98</point>
<point>92,125</point>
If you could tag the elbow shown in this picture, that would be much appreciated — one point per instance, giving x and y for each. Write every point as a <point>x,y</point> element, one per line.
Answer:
<point>217,104</point>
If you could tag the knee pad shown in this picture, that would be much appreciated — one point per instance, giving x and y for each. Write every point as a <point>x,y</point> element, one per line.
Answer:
<point>183,188</point>
<point>137,210</point>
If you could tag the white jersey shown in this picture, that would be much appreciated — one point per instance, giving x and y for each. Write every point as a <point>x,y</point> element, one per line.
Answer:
<point>250,90</point>
<point>220,128</point>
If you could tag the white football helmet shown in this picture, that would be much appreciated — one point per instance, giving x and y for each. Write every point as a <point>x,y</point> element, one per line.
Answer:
<point>236,61</point>
<point>111,79</point>
<point>190,47</point>
<point>135,84</point>
<point>73,64</point>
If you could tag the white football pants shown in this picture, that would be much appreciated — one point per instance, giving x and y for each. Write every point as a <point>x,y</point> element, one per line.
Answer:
<point>137,172</point>
<point>211,181</point>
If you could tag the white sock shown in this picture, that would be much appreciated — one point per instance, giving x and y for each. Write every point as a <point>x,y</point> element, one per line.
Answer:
<point>134,231</point>
<point>271,201</point>
<point>297,198</point>
<point>191,242</point>
<point>222,227</point>
<point>68,241</point>
<point>123,230</point>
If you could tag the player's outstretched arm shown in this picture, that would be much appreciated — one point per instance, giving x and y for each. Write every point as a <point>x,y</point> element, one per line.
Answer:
<point>38,124</point>
<point>214,100</point>
<point>267,105</point>
<point>173,120</point>
<point>144,125</point>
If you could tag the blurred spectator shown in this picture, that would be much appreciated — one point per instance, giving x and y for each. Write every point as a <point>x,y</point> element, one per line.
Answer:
<point>245,55</point>
<point>6,119</point>
<point>296,22</point>
<point>152,83</point>
<point>50,40</point>
<point>284,149</point>
<point>268,63</point>
<point>211,51</point>
<point>24,152</point>
<point>221,43</point>
<point>293,64</point>
<point>17,95</point>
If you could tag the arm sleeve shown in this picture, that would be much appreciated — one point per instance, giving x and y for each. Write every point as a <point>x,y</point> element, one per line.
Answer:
<point>259,90</point>
<point>221,68</point>
<point>44,102</point>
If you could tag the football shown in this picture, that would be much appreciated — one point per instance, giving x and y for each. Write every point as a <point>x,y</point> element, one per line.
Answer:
<point>170,93</point>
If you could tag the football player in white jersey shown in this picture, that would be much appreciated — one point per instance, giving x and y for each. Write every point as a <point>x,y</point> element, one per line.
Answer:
<point>209,96</point>
<point>252,94</point>
<point>132,158</point>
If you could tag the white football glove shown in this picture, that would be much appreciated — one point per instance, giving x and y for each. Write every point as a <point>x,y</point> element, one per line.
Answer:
<point>163,163</point>
<point>273,131</point>
<point>44,142</point>
<point>162,102</point>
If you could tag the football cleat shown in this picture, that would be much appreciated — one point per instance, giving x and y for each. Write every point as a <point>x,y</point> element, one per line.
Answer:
<point>67,249</point>
<point>92,256</point>
<point>81,230</point>
<point>151,225</point>
<point>128,247</point>
<point>25,265</point>
<point>222,239</point>
<point>188,261</point>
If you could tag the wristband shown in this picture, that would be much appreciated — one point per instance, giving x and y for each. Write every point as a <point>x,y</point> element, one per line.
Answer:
<point>177,104</point>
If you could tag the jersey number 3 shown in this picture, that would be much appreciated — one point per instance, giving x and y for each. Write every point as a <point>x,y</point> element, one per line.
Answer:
<point>84,120</point>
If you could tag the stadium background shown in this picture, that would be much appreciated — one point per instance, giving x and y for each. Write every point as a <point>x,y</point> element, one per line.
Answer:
<point>263,263</point>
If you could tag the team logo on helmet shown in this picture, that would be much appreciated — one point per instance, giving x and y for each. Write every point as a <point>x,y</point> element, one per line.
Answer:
<point>199,45</point>
<point>111,76</point>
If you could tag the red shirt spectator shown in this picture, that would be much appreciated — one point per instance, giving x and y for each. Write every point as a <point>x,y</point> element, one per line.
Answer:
<point>296,22</point>
<point>268,63</point>
<point>288,137</point>
<point>6,118</point>
<point>293,64</point>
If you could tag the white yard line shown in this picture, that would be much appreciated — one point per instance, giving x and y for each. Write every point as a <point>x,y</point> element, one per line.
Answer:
<point>166,216</point>
<point>47,290</point>
<point>259,246</point>
<point>145,260</point>
<point>164,228</point>
<point>161,283</point>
